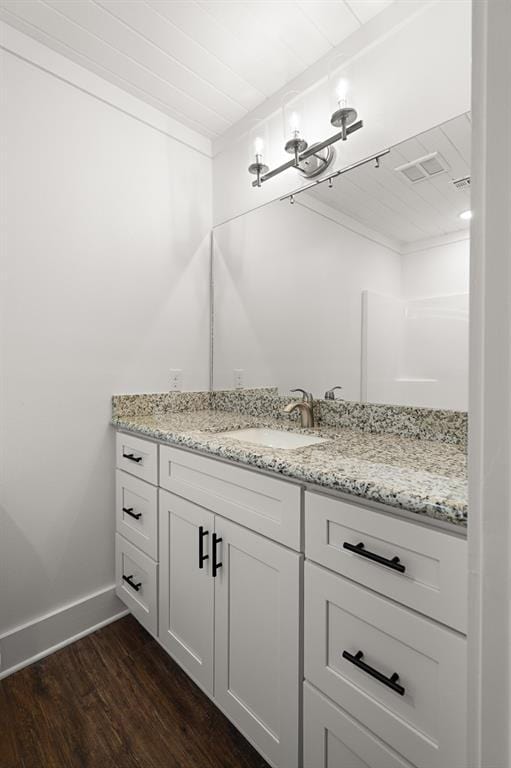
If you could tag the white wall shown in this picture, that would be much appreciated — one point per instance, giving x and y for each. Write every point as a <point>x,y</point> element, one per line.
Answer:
<point>403,82</point>
<point>489,531</point>
<point>288,286</point>
<point>104,287</point>
<point>437,270</point>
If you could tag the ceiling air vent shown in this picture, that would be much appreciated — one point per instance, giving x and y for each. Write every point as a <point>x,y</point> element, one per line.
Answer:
<point>461,184</point>
<point>424,167</point>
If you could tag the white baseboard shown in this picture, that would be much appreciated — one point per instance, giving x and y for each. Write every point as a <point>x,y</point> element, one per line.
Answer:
<point>30,642</point>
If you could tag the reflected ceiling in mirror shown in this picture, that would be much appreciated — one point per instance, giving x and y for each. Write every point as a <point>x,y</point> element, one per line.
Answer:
<point>419,191</point>
<point>361,282</point>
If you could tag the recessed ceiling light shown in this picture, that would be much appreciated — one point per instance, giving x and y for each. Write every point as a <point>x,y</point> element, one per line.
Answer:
<point>466,215</point>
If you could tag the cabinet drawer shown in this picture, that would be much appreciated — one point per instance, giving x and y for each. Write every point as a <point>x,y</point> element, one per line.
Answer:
<point>332,739</point>
<point>136,511</point>
<point>139,593</point>
<point>138,457</point>
<point>434,581</point>
<point>268,506</point>
<point>427,724</point>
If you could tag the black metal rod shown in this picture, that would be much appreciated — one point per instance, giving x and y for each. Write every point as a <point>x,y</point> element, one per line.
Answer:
<point>129,511</point>
<point>359,549</point>
<point>202,556</point>
<point>132,457</point>
<point>128,579</point>
<point>216,564</point>
<point>390,682</point>
<point>307,153</point>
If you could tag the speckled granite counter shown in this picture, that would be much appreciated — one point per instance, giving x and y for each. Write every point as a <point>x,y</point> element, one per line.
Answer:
<point>426,477</point>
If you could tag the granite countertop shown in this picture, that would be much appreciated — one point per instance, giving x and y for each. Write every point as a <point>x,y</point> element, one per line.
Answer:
<point>422,476</point>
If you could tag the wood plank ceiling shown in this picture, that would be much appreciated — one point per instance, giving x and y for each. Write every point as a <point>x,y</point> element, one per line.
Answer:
<point>384,200</point>
<point>206,62</point>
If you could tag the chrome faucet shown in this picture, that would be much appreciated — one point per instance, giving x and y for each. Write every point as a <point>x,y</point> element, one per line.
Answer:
<point>305,406</point>
<point>330,394</point>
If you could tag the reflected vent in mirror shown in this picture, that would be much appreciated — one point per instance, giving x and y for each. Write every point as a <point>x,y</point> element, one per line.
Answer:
<point>461,184</point>
<point>423,168</point>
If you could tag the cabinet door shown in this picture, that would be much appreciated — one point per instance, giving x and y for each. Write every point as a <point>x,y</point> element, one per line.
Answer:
<point>257,591</point>
<point>186,590</point>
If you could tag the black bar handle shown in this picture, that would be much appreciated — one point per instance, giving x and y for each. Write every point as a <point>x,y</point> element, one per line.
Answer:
<point>390,682</point>
<point>132,457</point>
<point>216,564</point>
<point>360,549</point>
<point>134,586</point>
<point>129,511</point>
<point>202,556</point>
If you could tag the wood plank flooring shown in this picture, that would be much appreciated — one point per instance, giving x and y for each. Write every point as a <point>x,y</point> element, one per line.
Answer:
<point>114,699</point>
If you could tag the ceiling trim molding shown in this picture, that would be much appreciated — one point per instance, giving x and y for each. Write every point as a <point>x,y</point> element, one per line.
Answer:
<point>347,222</point>
<point>26,48</point>
<point>435,242</point>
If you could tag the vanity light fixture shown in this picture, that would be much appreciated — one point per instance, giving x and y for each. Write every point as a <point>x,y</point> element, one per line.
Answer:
<point>310,160</point>
<point>466,215</point>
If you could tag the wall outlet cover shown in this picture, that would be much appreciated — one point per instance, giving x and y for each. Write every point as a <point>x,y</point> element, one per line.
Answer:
<point>176,380</point>
<point>239,376</point>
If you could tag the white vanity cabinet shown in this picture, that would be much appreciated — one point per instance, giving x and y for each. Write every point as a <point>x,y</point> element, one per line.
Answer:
<point>229,614</point>
<point>368,634</point>
<point>229,583</point>
<point>385,685</point>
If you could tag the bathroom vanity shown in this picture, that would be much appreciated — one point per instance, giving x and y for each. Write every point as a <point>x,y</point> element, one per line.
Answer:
<point>328,626</point>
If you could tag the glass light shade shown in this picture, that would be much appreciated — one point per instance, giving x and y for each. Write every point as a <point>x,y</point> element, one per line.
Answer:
<point>293,123</point>
<point>257,145</point>
<point>342,91</point>
<point>258,141</point>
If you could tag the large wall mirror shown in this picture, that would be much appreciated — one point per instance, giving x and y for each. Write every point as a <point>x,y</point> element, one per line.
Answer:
<point>360,282</point>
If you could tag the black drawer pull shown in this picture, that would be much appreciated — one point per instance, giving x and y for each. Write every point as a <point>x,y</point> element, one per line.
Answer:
<point>360,549</point>
<point>134,586</point>
<point>202,556</point>
<point>390,682</point>
<point>132,457</point>
<point>216,564</point>
<point>129,511</point>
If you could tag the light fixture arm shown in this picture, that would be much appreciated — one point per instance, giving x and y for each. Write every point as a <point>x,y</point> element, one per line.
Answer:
<point>299,157</point>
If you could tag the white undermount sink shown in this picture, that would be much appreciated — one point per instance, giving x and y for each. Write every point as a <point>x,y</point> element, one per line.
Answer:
<point>272,438</point>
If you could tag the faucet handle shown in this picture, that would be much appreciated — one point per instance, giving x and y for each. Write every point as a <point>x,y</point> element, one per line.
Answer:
<point>330,394</point>
<point>307,396</point>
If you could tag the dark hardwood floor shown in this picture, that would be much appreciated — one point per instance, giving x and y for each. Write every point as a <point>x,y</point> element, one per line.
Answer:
<point>114,699</point>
